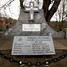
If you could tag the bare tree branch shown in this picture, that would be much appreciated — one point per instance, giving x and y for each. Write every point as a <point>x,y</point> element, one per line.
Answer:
<point>6,4</point>
<point>49,13</point>
<point>53,9</point>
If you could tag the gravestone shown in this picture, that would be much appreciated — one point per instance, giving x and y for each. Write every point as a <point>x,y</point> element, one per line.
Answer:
<point>33,45</point>
<point>31,37</point>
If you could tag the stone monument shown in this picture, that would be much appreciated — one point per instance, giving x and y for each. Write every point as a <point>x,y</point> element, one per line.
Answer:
<point>31,34</point>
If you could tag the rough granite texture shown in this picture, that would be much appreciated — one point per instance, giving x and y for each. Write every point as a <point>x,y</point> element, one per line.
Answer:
<point>24,19</point>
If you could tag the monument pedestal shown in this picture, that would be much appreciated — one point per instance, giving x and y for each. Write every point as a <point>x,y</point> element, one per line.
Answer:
<point>31,38</point>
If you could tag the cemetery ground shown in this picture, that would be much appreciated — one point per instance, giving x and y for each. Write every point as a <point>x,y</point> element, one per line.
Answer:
<point>60,46</point>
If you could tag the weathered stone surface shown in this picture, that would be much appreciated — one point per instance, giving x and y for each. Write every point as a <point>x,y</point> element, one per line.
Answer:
<point>39,19</point>
<point>33,45</point>
<point>23,19</point>
<point>66,32</point>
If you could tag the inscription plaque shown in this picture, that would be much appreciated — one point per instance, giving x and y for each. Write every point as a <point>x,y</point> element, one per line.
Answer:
<point>31,27</point>
<point>33,45</point>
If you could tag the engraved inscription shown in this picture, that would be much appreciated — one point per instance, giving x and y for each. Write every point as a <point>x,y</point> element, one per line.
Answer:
<point>31,27</point>
<point>33,45</point>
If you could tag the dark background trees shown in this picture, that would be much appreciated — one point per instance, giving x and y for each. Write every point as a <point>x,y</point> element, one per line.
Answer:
<point>49,13</point>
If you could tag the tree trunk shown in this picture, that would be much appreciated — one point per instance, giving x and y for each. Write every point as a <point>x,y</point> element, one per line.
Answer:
<point>47,13</point>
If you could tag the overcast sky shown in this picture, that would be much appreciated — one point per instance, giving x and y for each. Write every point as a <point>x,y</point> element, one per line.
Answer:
<point>14,9</point>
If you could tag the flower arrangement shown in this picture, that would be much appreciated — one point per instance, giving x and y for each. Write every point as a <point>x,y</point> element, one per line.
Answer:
<point>6,23</point>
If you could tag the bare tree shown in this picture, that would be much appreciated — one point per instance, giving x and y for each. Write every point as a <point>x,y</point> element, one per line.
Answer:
<point>61,15</point>
<point>61,12</point>
<point>46,3</point>
<point>5,5</point>
<point>64,11</point>
<point>48,13</point>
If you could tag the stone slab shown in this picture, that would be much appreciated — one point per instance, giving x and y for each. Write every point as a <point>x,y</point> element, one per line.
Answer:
<point>33,45</point>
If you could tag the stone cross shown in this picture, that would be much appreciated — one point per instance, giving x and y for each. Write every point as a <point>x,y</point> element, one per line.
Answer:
<point>32,9</point>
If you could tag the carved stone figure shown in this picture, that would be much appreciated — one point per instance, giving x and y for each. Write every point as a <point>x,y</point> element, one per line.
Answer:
<point>38,3</point>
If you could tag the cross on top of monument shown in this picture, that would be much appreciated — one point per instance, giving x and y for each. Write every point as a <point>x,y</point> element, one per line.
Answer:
<point>31,9</point>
